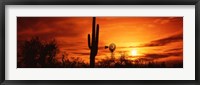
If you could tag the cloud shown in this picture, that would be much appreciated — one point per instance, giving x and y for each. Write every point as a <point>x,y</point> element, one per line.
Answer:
<point>175,49</point>
<point>48,27</point>
<point>82,53</point>
<point>164,41</point>
<point>157,56</point>
<point>68,31</point>
<point>166,20</point>
<point>163,55</point>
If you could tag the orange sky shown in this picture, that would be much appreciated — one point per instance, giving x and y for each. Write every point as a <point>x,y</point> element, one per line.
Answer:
<point>153,38</point>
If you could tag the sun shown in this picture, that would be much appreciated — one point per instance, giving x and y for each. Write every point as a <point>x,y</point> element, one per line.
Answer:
<point>133,52</point>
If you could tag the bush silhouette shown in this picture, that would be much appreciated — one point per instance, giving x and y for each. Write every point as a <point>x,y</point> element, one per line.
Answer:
<point>51,49</point>
<point>30,51</point>
<point>35,52</point>
<point>73,62</point>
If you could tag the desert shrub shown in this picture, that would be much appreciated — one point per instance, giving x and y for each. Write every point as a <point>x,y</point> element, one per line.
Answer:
<point>37,53</point>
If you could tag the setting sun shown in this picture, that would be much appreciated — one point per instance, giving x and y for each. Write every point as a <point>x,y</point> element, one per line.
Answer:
<point>134,52</point>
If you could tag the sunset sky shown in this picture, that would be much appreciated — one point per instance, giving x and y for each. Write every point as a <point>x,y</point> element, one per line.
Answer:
<point>147,38</point>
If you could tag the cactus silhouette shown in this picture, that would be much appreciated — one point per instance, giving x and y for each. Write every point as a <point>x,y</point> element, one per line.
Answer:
<point>93,46</point>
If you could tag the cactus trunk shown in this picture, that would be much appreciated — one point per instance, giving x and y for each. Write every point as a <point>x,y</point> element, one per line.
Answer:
<point>93,46</point>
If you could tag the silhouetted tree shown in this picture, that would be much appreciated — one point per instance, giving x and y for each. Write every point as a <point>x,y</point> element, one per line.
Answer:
<point>35,52</point>
<point>52,50</point>
<point>30,51</point>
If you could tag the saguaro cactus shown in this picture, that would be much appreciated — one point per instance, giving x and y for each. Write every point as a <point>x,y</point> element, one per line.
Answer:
<point>93,46</point>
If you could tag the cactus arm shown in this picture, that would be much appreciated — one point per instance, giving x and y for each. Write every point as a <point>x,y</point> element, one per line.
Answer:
<point>89,41</point>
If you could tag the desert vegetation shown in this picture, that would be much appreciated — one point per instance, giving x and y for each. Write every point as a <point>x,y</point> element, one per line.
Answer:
<point>36,53</point>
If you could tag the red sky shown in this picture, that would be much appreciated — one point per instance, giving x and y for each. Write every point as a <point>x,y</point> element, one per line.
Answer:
<point>153,38</point>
